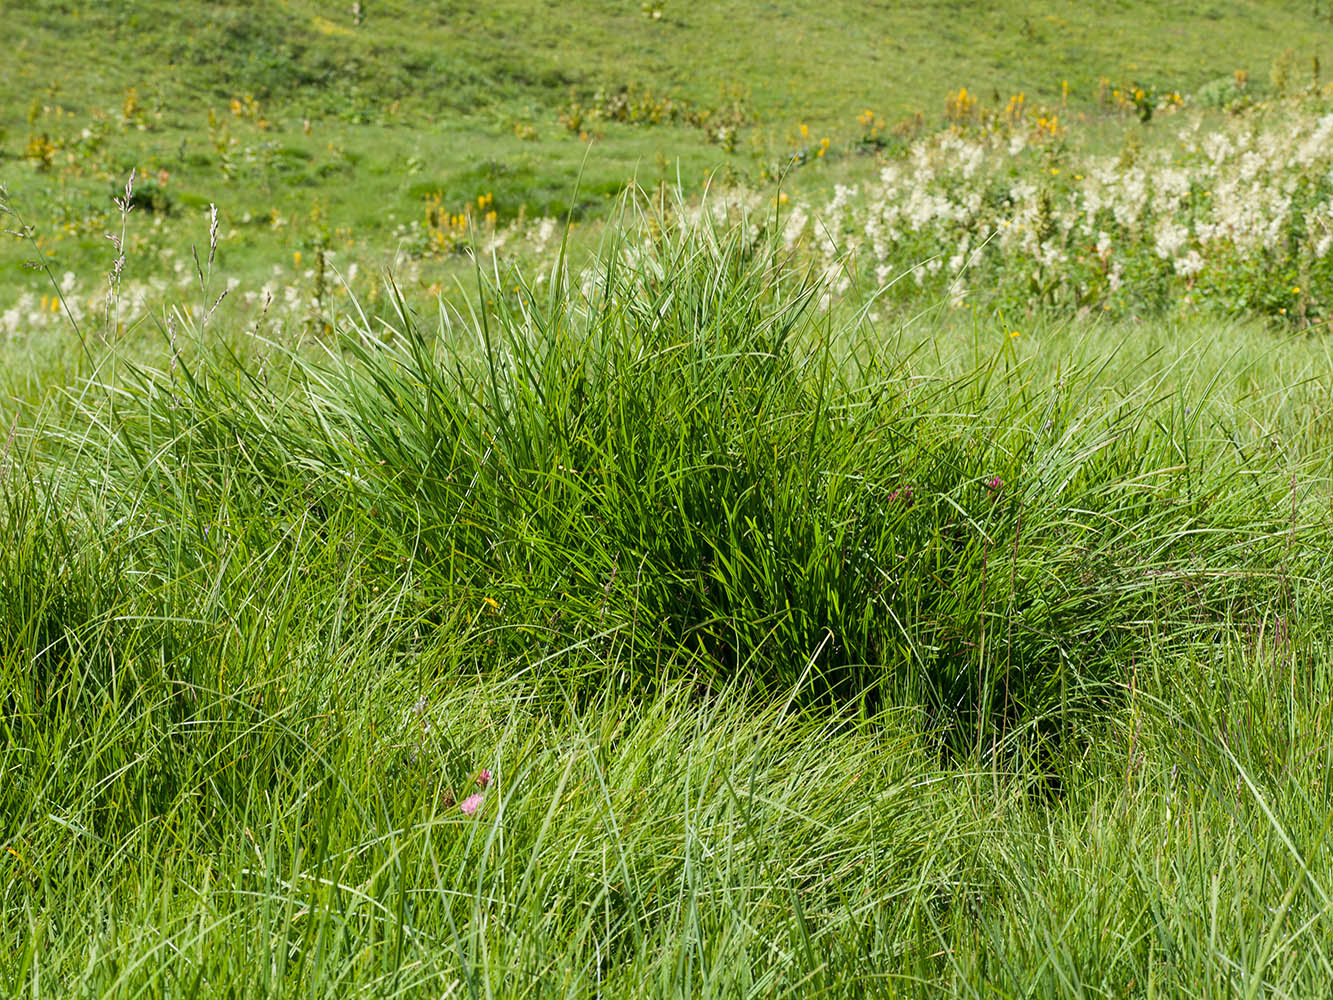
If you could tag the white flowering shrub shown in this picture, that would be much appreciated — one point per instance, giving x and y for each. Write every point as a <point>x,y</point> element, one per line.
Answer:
<point>1240,217</point>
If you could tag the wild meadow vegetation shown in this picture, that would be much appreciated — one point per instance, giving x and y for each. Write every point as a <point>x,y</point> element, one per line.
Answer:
<point>399,133</point>
<point>890,562</point>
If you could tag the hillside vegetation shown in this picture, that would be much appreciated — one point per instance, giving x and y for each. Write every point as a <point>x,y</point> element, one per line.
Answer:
<point>313,132</point>
<point>870,555</point>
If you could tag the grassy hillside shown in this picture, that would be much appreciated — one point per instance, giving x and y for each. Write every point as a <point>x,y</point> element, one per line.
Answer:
<point>816,62</point>
<point>311,131</point>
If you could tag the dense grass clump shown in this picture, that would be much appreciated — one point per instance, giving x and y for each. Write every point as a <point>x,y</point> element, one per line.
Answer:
<point>689,470</point>
<point>659,631</point>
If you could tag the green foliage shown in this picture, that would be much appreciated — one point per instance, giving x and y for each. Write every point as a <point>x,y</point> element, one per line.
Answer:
<point>677,625</point>
<point>1227,93</point>
<point>678,467</point>
<point>357,103</point>
<point>680,584</point>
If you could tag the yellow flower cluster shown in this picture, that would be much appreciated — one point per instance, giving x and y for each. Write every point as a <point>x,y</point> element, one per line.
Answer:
<point>961,107</point>
<point>1013,111</point>
<point>41,150</point>
<point>132,108</point>
<point>1049,125</point>
<point>446,231</point>
<point>247,109</point>
<point>963,111</point>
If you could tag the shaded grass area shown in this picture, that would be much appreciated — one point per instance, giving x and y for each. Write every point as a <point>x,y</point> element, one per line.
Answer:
<point>802,657</point>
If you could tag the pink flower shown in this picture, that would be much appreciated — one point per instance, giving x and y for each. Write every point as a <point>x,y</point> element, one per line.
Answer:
<point>484,778</point>
<point>472,804</point>
<point>994,484</point>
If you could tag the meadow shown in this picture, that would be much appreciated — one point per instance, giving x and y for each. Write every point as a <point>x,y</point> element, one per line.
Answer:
<point>391,134</point>
<point>892,562</point>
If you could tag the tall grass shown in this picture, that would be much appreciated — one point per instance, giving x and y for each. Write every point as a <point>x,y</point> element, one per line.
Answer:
<point>803,657</point>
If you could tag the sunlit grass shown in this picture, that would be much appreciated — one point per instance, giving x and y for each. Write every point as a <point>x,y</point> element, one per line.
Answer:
<point>806,655</point>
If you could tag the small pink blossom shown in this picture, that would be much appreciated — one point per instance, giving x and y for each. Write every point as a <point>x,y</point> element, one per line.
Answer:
<point>472,804</point>
<point>484,778</point>
<point>994,484</point>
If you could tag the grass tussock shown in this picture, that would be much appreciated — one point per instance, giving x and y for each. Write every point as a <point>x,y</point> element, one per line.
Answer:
<point>667,634</point>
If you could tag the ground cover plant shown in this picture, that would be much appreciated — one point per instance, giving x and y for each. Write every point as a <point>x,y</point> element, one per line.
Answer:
<point>590,644</point>
<point>753,586</point>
